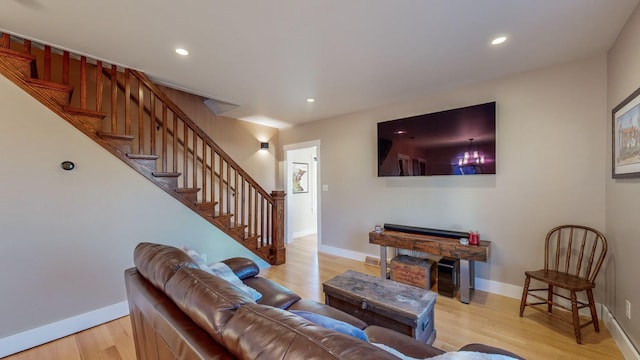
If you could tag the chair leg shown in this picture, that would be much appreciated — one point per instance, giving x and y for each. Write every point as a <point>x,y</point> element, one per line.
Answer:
<point>576,318</point>
<point>550,298</point>
<point>592,307</point>
<point>525,292</point>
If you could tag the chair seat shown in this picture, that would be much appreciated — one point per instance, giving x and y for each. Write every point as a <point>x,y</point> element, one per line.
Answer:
<point>560,279</point>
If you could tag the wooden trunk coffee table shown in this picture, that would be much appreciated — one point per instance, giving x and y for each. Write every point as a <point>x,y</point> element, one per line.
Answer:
<point>404,308</point>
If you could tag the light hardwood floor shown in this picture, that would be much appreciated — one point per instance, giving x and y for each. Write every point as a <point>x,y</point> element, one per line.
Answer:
<point>489,319</point>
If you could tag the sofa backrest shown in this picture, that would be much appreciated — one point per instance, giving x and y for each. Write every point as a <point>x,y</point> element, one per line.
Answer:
<point>236,324</point>
<point>207,299</point>
<point>264,332</point>
<point>255,331</point>
<point>158,263</point>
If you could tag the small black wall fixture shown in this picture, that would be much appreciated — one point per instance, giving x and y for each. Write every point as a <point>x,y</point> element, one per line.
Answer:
<point>264,146</point>
<point>68,165</point>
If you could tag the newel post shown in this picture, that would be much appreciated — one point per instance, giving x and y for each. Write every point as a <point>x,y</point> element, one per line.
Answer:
<point>278,251</point>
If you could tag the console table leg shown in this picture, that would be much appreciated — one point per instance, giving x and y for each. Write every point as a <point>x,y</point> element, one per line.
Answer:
<point>383,261</point>
<point>467,280</point>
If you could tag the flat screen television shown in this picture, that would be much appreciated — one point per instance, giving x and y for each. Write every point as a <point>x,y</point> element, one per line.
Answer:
<point>459,141</point>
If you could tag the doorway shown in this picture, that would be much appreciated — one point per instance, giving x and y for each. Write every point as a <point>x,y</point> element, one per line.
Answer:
<point>302,168</point>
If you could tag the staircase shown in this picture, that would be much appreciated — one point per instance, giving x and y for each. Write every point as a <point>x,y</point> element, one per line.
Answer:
<point>126,113</point>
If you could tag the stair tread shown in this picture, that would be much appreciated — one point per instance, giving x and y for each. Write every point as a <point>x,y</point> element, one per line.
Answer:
<point>85,112</point>
<point>50,85</point>
<point>165,174</point>
<point>115,136</point>
<point>208,203</point>
<point>143,157</point>
<point>17,54</point>
<point>187,190</point>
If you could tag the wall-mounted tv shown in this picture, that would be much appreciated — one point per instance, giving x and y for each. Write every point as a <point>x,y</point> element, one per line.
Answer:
<point>452,142</point>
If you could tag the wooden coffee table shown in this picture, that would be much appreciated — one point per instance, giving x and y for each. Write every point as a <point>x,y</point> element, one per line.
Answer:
<point>404,308</point>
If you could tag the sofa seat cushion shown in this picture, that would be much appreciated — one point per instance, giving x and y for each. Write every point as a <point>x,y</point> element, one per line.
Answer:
<point>400,342</point>
<point>488,350</point>
<point>273,294</point>
<point>207,299</point>
<point>283,335</point>
<point>326,310</point>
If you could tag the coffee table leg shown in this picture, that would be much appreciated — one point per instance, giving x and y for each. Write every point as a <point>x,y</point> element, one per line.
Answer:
<point>467,280</point>
<point>383,261</point>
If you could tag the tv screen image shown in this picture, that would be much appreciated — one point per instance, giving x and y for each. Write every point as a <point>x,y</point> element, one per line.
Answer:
<point>459,141</point>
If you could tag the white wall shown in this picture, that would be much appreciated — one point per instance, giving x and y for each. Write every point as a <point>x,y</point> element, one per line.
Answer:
<point>67,237</point>
<point>551,135</point>
<point>622,195</point>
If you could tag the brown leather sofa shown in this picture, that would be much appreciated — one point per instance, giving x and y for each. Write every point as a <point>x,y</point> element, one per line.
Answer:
<point>181,312</point>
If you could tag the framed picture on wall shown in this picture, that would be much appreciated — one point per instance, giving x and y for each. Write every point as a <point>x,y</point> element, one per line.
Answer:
<point>626,137</point>
<point>300,178</point>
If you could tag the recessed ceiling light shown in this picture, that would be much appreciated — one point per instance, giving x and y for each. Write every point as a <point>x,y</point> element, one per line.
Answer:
<point>310,100</point>
<point>499,40</point>
<point>182,52</point>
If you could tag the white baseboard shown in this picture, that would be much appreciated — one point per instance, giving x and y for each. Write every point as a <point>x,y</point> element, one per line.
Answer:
<point>353,255</point>
<point>25,340</point>
<point>302,233</point>
<point>622,340</point>
<point>496,287</point>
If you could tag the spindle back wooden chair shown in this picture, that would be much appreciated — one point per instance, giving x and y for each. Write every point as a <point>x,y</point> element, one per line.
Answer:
<point>573,257</point>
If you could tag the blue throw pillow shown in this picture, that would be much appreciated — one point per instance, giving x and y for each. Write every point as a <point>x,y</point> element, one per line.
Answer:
<point>222,270</point>
<point>333,324</point>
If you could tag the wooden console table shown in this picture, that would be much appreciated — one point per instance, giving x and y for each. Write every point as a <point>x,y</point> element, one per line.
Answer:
<point>436,245</point>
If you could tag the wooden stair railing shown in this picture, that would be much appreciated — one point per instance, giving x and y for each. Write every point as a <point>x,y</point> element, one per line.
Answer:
<point>158,121</point>
<point>130,116</point>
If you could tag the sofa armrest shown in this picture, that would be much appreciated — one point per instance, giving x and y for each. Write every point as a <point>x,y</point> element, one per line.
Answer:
<point>243,268</point>
<point>403,343</point>
<point>273,294</point>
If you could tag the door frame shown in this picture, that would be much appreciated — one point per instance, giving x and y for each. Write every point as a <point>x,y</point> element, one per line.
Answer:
<point>287,183</point>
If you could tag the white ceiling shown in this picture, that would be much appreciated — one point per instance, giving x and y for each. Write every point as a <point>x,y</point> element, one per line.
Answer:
<point>270,56</point>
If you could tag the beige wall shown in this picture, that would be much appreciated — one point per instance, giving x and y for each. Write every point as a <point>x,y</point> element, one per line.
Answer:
<point>551,127</point>
<point>239,139</point>
<point>67,237</point>
<point>623,195</point>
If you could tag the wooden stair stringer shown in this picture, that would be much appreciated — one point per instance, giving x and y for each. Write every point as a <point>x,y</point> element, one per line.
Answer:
<point>122,142</point>
<point>61,93</point>
<point>91,118</point>
<point>18,62</point>
<point>223,221</point>
<point>190,194</point>
<point>148,161</point>
<point>207,208</point>
<point>238,232</point>
<point>169,181</point>
<point>251,241</point>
